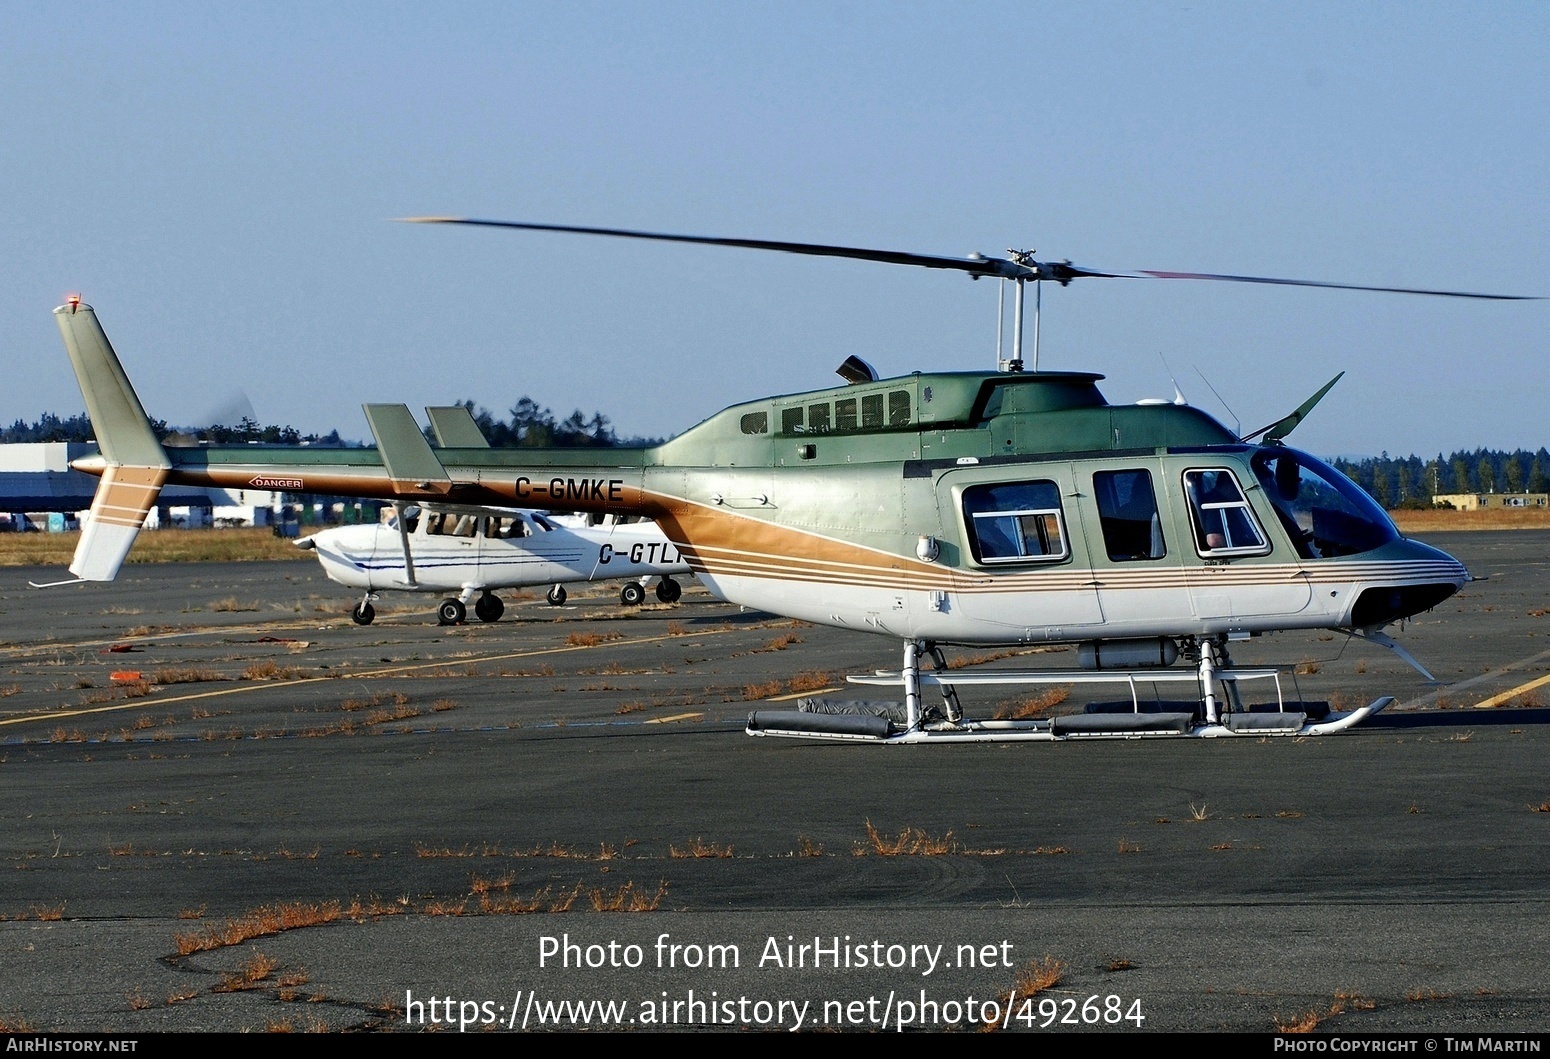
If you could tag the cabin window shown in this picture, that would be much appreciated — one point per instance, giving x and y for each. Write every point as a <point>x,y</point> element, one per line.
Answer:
<point>845,414</point>
<point>756,423</point>
<point>1224,523</point>
<point>872,411</point>
<point>818,419</point>
<point>1015,522</point>
<point>1127,511</point>
<point>898,408</point>
<point>791,421</point>
<point>436,524</point>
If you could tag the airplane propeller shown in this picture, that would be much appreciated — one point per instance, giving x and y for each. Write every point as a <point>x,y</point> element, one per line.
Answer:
<point>1020,267</point>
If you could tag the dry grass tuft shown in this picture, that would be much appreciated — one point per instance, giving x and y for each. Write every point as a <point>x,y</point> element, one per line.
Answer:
<point>911,842</point>
<point>1035,706</point>
<point>1119,965</point>
<point>1308,667</point>
<point>49,913</point>
<point>1425,995</point>
<point>232,604</point>
<point>138,1001</point>
<point>271,670</point>
<point>193,913</point>
<point>806,847</point>
<point>1308,1021</point>
<point>186,675</point>
<point>443,705</point>
<point>699,849</point>
<point>261,922</point>
<point>754,692</point>
<point>1199,812</point>
<point>810,680</point>
<point>627,899</point>
<point>1542,807</point>
<point>780,643</point>
<point>250,975</point>
<point>1051,851</point>
<point>1127,846</point>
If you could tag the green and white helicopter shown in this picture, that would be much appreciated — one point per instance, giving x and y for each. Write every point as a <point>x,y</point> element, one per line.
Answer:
<point>964,508</point>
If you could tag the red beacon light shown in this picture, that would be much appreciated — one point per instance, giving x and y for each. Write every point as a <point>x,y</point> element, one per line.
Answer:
<point>74,301</point>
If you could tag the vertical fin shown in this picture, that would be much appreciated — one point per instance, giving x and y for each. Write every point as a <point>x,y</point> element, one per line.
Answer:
<point>136,464</point>
<point>410,463</point>
<point>456,428</point>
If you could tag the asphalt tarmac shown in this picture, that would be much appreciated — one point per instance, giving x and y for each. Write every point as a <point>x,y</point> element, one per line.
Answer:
<point>289,821</point>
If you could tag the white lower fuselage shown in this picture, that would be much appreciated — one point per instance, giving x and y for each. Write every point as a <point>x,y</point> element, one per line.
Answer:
<point>372,557</point>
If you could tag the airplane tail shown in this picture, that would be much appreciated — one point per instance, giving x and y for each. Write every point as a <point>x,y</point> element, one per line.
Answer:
<point>134,465</point>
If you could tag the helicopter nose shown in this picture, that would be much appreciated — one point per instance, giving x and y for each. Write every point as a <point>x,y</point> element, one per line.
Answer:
<point>1430,576</point>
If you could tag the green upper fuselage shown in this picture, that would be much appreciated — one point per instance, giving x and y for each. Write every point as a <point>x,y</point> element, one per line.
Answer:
<point>925,416</point>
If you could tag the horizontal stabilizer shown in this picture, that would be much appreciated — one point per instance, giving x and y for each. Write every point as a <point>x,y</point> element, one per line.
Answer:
<point>456,428</point>
<point>410,463</point>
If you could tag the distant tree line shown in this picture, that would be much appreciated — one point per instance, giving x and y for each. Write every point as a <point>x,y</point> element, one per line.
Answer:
<point>1412,482</point>
<point>533,426</point>
<point>530,426</point>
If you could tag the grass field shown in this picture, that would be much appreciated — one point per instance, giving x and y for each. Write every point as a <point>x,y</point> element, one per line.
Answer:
<point>155,546</point>
<point>1444,521</point>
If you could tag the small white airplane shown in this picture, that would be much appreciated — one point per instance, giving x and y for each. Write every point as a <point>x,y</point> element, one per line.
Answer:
<point>473,551</point>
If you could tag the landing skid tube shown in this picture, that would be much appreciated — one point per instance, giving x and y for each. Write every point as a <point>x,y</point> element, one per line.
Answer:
<point>1217,715</point>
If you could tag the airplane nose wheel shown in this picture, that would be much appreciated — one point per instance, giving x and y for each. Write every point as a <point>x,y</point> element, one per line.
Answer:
<point>632,594</point>
<point>451,612</point>
<point>489,607</point>
<point>669,590</point>
<point>556,596</point>
<point>364,613</point>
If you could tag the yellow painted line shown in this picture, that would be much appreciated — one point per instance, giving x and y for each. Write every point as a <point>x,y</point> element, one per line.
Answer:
<point>149,702</point>
<point>676,717</point>
<point>799,694</point>
<point>1506,696</point>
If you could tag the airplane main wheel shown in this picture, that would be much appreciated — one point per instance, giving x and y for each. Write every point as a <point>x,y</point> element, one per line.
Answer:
<point>451,612</point>
<point>363,614</point>
<point>489,607</point>
<point>557,596</point>
<point>632,594</point>
<point>669,590</point>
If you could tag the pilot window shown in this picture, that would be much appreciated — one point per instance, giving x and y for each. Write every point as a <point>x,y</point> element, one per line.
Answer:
<point>756,423</point>
<point>1127,511</point>
<point>898,408</point>
<point>1223,521</point>
<point>1015,522</point>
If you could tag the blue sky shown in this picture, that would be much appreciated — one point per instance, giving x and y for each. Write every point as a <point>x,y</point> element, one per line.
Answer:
<point>217,180</point>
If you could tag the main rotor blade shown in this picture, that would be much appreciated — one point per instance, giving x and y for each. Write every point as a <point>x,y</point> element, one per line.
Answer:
<point>987,266</point>
<point>1147,274</point>
<point>1022,268</point>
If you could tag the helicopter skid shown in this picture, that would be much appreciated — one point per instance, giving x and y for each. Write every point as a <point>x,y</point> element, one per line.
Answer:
<point>866,729</point>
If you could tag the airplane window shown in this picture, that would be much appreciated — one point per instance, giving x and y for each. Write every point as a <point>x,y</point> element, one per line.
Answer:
<point>1224,524</point>
<point>898,408</point>
<point>543,523</point>
<point>1324,512</point>
<point>818,419</point>
<point>872,411</point>
<point>845,414</point>
<point>467,526</point>
<point>1015,522</point>
<point>756,423</point>
<point>791,421</point>
<point>436,524</point>
<point>1127,511</point>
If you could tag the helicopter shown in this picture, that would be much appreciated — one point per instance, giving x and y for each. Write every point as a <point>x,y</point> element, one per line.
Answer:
<point>961,508</point>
